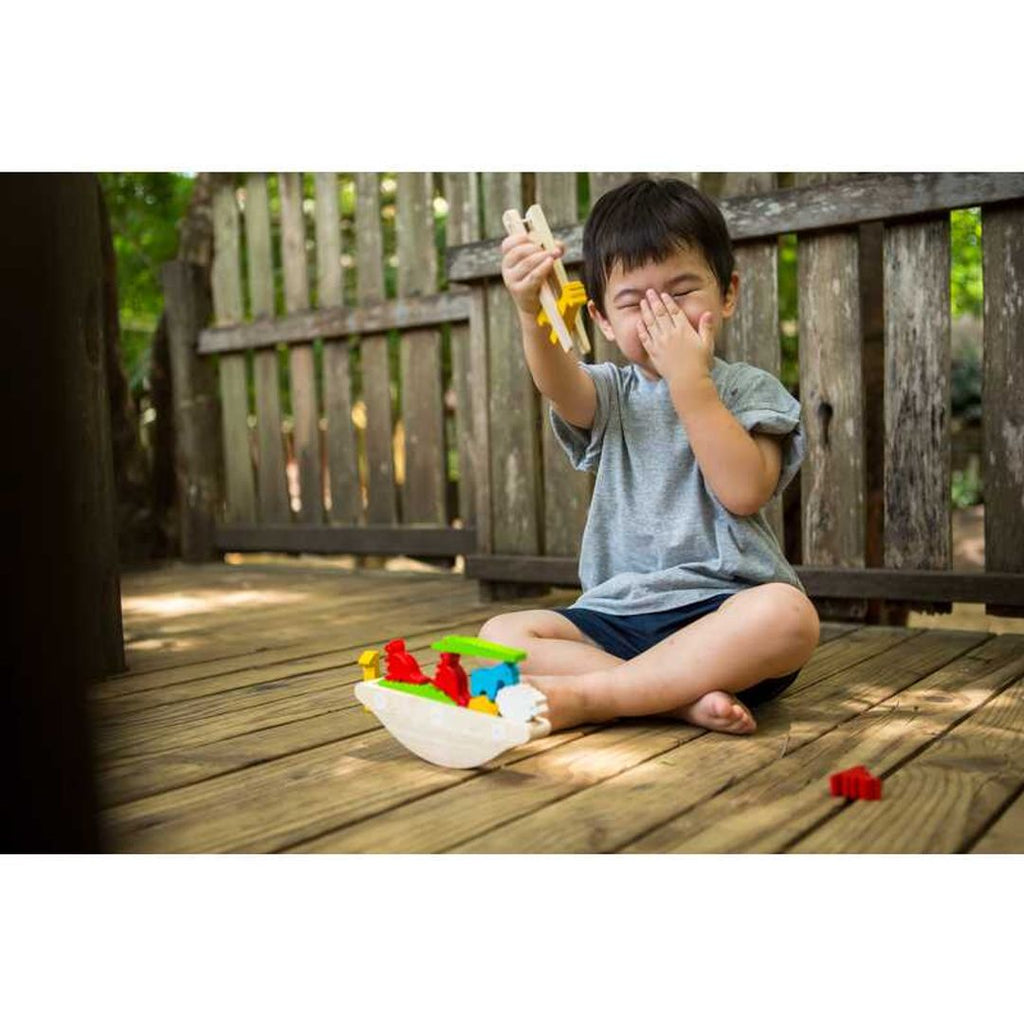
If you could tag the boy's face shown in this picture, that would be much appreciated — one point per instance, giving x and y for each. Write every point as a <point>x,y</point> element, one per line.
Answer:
<point>686,276</point>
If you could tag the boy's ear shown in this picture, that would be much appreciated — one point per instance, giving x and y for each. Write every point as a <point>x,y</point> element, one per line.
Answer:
<point>732,295</point>
<point>595,315</point>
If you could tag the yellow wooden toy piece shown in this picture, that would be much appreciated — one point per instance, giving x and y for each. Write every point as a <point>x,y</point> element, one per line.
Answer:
<point>570,302</point>
<point>481,703</point>
<point>370,662</point>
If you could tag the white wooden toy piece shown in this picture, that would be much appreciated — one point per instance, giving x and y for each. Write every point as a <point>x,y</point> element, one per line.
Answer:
<point>536,227</point>
<point>451,736</point>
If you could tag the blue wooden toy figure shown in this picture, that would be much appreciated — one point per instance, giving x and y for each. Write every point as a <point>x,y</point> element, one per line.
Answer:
<point>488,681</point>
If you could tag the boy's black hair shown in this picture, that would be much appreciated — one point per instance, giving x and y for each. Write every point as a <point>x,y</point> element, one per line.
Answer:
<point>649,219</point>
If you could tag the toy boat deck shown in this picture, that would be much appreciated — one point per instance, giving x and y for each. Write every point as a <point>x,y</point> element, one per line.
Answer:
<point>446,734</point>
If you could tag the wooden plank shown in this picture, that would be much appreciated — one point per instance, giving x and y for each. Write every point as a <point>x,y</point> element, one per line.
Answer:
<point>305,413</point>
<point>339,438</point>
<point>918,523</point>
<point>668,785</point>
<point>316,538</point>
<point>312,792</point>
<point>832,476</point>
<point>770,811</point>
<point>514,404</point>
<point>371,318</point>
<point>942,801</point>
<point>274,506</point>
<point>1006,835</point>
<point>487,800</point>
<point>197,458</point>
<point>752,334</point>
<point>820,581</point>
<point>566,493</point>
<point>1003,384</point>
<point>424,491</point>
<point>462,194</point>
<point>382,501</point>
<point>817,207</point>
<point>240,490</point>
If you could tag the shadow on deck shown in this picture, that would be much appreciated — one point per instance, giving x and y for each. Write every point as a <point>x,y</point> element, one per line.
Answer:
<point>236,729</point>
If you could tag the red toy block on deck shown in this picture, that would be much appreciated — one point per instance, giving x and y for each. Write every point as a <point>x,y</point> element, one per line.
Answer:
<point>402,667</point>
<point>855,783</point>
<point>451,679</point>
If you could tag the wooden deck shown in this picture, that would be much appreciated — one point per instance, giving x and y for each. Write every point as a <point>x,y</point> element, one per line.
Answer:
<point>236,729</point>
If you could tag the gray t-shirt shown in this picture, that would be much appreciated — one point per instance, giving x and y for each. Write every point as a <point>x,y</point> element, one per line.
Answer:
<point>656,536</point>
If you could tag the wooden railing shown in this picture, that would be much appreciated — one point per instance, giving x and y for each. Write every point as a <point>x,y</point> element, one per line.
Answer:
<point>509,501</point>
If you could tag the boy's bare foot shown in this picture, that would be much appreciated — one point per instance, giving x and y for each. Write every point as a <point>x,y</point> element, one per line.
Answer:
<point>718,711</point>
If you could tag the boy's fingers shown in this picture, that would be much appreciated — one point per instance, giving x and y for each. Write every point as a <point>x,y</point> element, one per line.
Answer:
<point>670,305</point>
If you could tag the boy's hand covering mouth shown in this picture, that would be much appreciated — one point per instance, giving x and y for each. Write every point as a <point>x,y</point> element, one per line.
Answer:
<point>678,352</point>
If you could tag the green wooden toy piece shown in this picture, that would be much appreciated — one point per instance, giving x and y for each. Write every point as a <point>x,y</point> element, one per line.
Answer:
<point>475,647</point>
<point>425,690</point>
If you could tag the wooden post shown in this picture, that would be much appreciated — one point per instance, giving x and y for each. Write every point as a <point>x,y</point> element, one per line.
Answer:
<point>198,462</point>
<point>382,499</point>
<point>752,335</point>
<point>918,522</point>
<point>1002,239</point>
<point>514,407</point>
<point>832,477</point>
<point>274,505</point>
<point>566,493</point>
<point>226,280</point>
<point>420,356</point>
<point>305,414</point>
<point>339,439</point>
<point>469,366</point>
<point>60,566</point>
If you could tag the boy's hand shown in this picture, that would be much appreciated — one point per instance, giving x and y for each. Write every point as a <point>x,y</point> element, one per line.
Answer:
<point>678,352</point>
<point>524,268</point>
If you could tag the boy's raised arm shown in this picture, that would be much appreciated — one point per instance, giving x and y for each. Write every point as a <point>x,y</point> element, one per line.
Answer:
<point>557,374</point>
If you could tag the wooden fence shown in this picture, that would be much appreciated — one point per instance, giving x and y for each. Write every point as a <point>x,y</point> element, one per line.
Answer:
<point>873,264</point>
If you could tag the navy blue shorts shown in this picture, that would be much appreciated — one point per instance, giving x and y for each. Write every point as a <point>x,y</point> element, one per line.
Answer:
<point>626,636</point>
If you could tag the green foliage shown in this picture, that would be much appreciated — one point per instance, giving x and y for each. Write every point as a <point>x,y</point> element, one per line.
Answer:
<point>966,487</point>
<point>966,292</point>
<point>144,212</point>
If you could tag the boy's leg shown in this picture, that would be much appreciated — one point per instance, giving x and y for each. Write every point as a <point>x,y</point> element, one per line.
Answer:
<point>554,645</point>
<point>760,633</point>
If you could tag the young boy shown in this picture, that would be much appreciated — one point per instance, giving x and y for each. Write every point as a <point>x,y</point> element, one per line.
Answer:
<point>687,598</point>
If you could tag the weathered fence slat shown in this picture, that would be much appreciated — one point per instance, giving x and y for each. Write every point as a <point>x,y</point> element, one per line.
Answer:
<point>752,334</point>
<point>1002,236</point>
<point>339,436</point>
<point>336,322</point>
<point>423,494</point>
<point>197,458</point>
<point>469,360</point>
<point>918,524</point>
<point>515,444</point>
<point>301,363</point>
<point>274,506</point>
<point>234,399</point>
<point>382,504</point>
<point>566,491</point>
<point>832,476</point>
